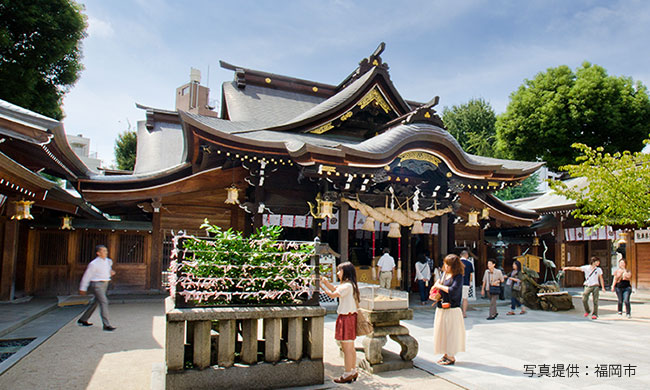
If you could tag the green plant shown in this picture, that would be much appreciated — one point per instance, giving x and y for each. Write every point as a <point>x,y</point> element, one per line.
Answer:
<point>228,268</point>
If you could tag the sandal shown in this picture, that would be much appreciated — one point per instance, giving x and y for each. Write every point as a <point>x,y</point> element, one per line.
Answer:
<point>447,362</point>
<point>510,313</point>
<point>522,312</point>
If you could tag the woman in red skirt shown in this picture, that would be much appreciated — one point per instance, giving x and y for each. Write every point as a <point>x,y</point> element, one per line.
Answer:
<point>346,322</point>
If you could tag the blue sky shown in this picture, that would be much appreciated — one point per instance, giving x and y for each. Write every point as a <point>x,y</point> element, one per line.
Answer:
<point>141,50</point>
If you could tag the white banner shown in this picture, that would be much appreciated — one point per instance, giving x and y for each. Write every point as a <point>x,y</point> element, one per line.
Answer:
<point>642,235</point>
<point>355,222</point>
<point>589,234</point>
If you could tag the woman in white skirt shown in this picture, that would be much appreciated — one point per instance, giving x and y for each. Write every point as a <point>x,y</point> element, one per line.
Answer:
<point>449,326</point>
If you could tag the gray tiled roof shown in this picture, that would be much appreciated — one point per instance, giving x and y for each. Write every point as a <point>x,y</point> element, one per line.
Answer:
<point>336,100</point>
<point>260,104</point>
<point>32,117</point>
<point>256,131</point>
<point>159,149</point>
<point>552,200</point>
<point>387,140</point>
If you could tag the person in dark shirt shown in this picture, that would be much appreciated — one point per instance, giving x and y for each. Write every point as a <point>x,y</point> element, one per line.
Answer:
<point>467,278</point>
<point>449,326</point>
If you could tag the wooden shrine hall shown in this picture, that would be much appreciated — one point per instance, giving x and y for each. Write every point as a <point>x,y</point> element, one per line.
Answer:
<point>355,164</point>
<point>280,143</point>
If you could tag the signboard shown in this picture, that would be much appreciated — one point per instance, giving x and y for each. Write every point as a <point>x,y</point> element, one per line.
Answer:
<point>529,261</point>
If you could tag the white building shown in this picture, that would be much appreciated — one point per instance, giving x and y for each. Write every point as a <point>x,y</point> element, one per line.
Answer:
<point>81,146</point>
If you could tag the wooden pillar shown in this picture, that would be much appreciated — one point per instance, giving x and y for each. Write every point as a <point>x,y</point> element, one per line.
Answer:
<point>444,235</point>
<point>406,250</point>
<point>259,198</point>
<point>71,284</point>
<point>157,238</point>
<point>9,259</point>
<point>560,259</point>
<point>451,237</point>
<point>343,231</point>
<point>482,248</point>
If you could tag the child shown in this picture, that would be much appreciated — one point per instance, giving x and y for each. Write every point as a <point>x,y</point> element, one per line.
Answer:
<point>346,322</point>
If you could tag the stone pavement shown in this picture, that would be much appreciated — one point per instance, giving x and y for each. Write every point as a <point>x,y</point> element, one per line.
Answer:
<point>497,351</point>
<point>88,358</point>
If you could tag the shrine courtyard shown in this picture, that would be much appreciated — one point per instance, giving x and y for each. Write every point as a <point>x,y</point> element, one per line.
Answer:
<point>608,353</point>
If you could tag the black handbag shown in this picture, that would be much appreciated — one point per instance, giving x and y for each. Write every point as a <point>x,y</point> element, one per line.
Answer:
<point>494,290</point>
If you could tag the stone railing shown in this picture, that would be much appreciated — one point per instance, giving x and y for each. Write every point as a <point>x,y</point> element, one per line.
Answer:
<point>221,347</point>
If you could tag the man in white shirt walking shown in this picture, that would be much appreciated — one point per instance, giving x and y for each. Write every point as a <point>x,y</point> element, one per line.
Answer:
<point>593,282</point>
<point>386,265</point>
<point>97,276</point>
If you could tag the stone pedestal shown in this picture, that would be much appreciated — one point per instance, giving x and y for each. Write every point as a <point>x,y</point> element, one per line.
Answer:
<point>386,324</point>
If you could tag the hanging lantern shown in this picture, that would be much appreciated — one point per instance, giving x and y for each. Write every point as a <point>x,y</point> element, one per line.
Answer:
<point>23,209</point>
<point>394,230</point>
<point>417,228</point>
<point>324,208</point>
<point>233,195</point>
<point>485,214</point>
<point>369,225</point>
<point>66,223</point>
<point>472,218</point>
<point>327,209</point>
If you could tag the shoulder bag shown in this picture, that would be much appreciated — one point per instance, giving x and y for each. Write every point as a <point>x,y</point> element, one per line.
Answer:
<point>494,290</point>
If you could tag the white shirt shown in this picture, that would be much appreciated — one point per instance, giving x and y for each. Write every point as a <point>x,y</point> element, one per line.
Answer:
<point>386,263</point>
<point>346,299</point>
<point>422,271</point>
<point>593,279</point>
<point>99,270</point>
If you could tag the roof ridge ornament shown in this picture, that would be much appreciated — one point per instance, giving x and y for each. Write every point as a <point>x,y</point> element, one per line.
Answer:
<point>365,65</point>
<point>425,113</point>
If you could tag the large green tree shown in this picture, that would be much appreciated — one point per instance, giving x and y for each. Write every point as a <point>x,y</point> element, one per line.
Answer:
<point>40,52</point>
<point>560,107</point>
<point>616,190</point>
<point>472,124</point>
<point>126,146</point>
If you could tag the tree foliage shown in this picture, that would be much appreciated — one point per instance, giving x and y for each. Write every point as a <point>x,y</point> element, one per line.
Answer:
<point>559,107</point>
<point>126,146</point>
<point>527,187</point>
<point>617,190</point>
<point>40,52</point>
<point>473,126</point>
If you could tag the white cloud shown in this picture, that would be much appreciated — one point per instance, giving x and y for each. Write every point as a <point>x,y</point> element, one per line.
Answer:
<point>99,28</point>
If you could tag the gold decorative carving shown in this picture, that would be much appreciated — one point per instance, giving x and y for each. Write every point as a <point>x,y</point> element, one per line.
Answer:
<point>328,168</point>
<point>345,116</point>
<point>315,89</point>
<point>374,96</point>
<point>449,174</point>
<point>420,156</point>
<point>268,80</point>
<point>321,129</point>
<point>375,63</point>
<point>493,184</point>
<point>427,114</point>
